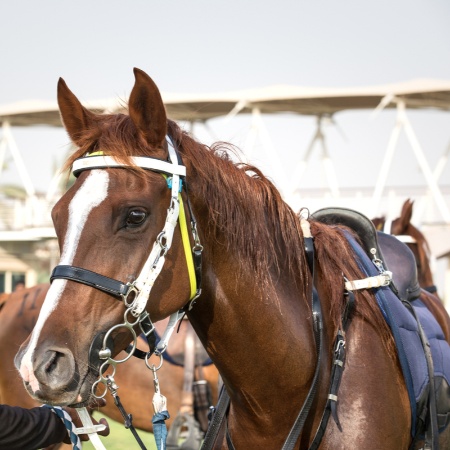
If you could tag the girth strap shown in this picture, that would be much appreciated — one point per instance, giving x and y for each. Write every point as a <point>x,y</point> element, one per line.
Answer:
<point>219,416</point>
<point>336,375</point>
<point>432,429</point>
<point>84,276</point>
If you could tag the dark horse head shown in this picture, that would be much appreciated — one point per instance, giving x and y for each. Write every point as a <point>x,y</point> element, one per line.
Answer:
<point>405,231</point>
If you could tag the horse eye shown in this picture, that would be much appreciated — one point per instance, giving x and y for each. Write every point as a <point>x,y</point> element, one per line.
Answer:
<point>136,217</point>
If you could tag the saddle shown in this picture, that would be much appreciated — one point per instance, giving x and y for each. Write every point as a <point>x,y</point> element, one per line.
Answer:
<point>423,352</point>
<point>398,255</point>
<point>385,247</point>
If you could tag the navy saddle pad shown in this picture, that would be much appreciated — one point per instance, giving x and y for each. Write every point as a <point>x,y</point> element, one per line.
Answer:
<point>405,330</point>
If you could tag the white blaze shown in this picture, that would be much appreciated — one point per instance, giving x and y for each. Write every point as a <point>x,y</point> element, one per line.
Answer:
<point>92,192</point>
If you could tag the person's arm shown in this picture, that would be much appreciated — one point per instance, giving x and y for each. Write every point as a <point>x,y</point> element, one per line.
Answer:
<point>29,429</point>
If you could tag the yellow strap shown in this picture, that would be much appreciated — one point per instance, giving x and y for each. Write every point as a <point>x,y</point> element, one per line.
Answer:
<point>187,248</point>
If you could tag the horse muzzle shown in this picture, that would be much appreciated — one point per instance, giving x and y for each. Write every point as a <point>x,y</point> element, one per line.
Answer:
<point>50,375</point>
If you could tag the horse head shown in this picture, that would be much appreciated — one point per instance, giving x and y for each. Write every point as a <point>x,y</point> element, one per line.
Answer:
<point>406,232</point>
<point>108,223</point>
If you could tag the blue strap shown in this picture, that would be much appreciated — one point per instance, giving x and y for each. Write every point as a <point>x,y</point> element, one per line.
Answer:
<point>160,429</point>
<point>67,420</point>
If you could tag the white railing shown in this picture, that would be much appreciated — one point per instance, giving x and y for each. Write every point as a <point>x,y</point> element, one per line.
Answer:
<point>19,214</point>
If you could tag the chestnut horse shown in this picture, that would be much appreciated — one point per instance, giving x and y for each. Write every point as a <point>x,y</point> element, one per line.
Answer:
<point>254,314</point>
<point>414,239</point>
<point>18,314</point>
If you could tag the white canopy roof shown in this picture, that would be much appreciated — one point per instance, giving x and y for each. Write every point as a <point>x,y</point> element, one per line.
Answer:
<point>271,99</point>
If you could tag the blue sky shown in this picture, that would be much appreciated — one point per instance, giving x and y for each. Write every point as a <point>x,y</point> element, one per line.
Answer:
<point>212,46</point>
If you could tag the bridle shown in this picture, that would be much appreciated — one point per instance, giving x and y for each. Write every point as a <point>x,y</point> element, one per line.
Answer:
<point>135,294</point>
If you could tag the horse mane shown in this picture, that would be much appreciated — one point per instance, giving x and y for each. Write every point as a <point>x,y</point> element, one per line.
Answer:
<point>240,198</point>
<point>246,207</point>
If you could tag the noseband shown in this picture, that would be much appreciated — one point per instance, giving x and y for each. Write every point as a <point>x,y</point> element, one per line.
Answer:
<point>135,294</point>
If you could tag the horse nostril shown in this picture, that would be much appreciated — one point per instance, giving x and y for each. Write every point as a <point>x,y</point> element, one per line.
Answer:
<point>55,368</point>
<point>52,363</point>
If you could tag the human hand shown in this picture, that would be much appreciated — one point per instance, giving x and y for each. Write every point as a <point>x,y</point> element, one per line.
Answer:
<point>98,403</point>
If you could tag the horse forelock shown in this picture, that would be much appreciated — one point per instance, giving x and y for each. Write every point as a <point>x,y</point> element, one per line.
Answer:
<point>115,135</point>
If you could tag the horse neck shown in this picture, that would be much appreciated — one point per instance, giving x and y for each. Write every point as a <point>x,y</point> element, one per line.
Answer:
<point>254,314</point>
<point>243,326</point>
<point>253,328</point>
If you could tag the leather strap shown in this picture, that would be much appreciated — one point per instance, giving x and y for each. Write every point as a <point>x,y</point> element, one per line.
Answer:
<point>105,284</point>
<point>128,421</point>
<point>432,429</point>
<point>228,437</point>
<point>218,417</point>
<point>296,429</point>
<point>431,289</point>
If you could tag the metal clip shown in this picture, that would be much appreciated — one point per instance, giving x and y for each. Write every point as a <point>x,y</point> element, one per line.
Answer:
<point>155,379</point>
<point>340,343</point>
<point>159,402</point>
<point>387,277</point>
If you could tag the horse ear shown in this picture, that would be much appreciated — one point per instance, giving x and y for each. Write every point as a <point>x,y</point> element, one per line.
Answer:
<point>406,214</point>
<point>75,117</point>
<point>146,109</point>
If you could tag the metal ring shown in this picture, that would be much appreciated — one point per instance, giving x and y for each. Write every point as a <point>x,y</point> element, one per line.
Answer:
<point>119,361</point>
<point>125,318</point>
<point>94,388</point>
<point>159,240</point>
<point>103,369</point>
<point>132,288</point>
<point>152,367</point>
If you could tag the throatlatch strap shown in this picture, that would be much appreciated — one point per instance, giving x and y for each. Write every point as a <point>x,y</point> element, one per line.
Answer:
<point>89,278</point>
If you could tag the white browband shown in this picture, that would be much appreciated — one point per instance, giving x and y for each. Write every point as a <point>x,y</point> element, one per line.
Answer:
<point>102,162</point>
